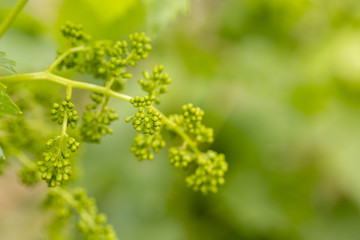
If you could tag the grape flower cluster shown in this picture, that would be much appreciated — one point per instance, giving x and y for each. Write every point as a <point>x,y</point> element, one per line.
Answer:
<point>97,118</point>
<point>147,120</point>
<point>58,113</point>
<point>55,166</point>
<point>209,173</point>
<point>191,120</point>
<point>145,145</point>
<point>180,156</point>
<point>74,34</point>
<point>109,61</point>
<point>210,166</point>
<point>75,37</point>
<point>104,59</point>
<point>155,83</point>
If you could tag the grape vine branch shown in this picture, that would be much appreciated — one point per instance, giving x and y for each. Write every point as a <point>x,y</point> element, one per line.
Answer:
<point>49,76</point>
<point>106,60</point>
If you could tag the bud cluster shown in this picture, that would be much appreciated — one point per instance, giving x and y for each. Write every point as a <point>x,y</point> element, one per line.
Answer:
<point>58,113</point>
<point>210,166</point>
<point>209,173</point>
<point>181,157</point>
<point>146,120</point>
<point>104,59</point>
<point>155,83</point>
<point>192,117</point>
<point>95,61</point>
<point>96,121</point>
<point>191,121</point>
<point>55,167</point>
<point>72,144</point>
<point>140,47</point>
<point>75,37</point>
<point>74,34</point>
<point>144,146</point>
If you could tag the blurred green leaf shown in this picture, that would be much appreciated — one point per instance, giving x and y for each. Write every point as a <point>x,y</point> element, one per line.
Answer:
<point>6,105</point>
<point>6,63</point>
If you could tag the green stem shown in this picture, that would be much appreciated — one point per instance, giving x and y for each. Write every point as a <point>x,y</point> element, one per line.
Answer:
<point>110,83</point>
<point>10,18</point>
<point>52,67</point>
<point>68,92</point>
<point>108,87</point>
<point>65,122</point>
<point>47,76</point>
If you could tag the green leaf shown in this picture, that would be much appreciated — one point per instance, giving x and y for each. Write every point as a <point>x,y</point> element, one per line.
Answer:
<point>6,63</point>
<point>7,106</point>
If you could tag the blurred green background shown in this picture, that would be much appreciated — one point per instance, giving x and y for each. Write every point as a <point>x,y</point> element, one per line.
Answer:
<point>279,81</point>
